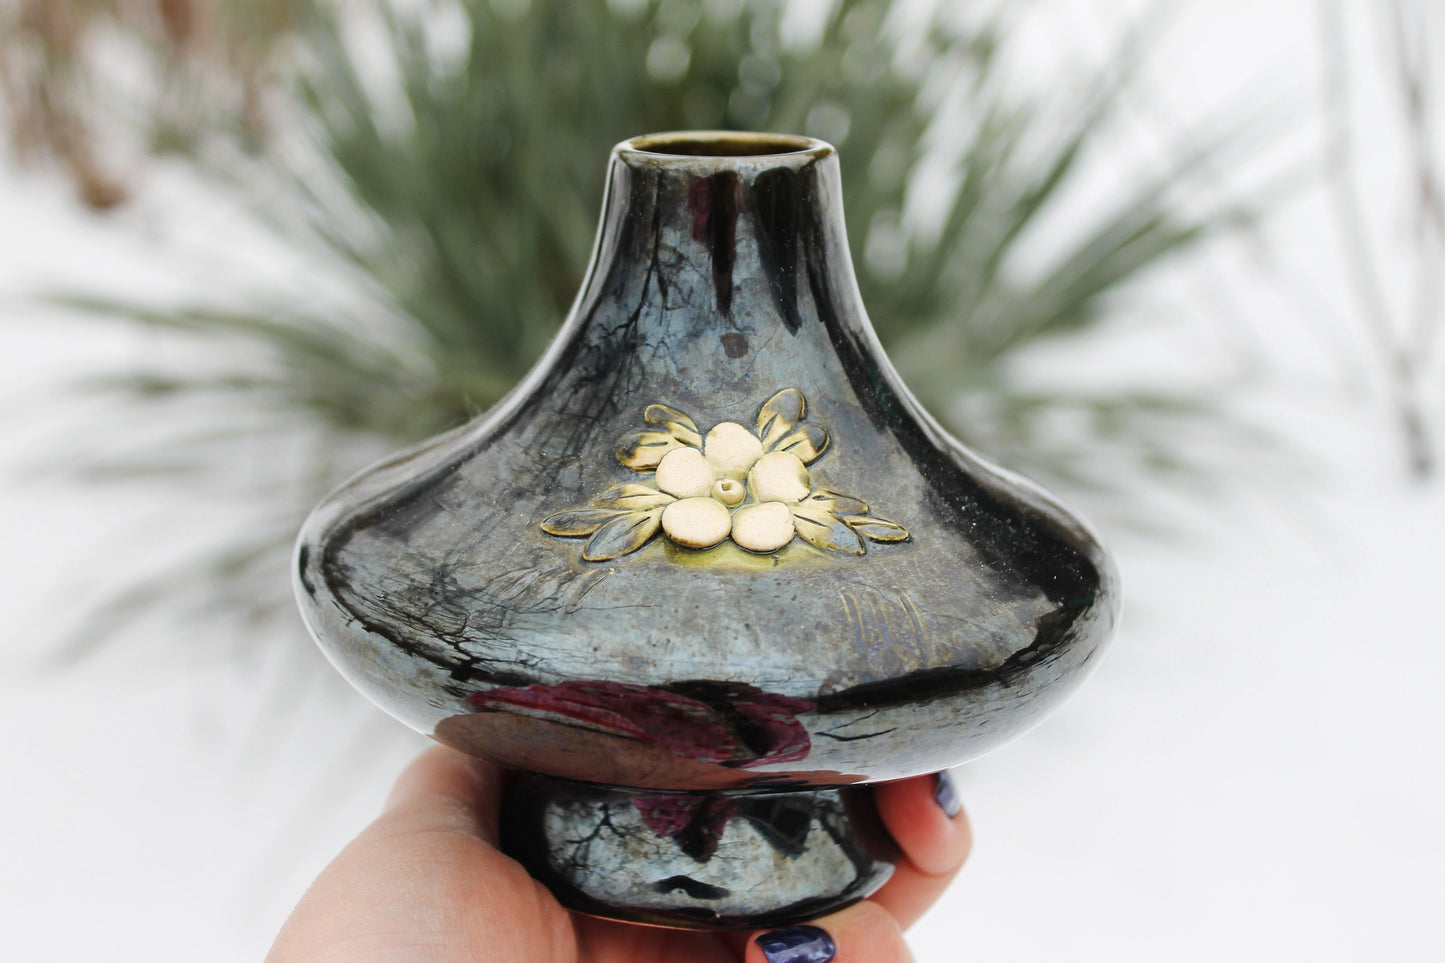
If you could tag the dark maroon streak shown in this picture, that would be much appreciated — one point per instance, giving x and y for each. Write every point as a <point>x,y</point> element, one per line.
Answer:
<point>670,815</point>
<point>753,728</point>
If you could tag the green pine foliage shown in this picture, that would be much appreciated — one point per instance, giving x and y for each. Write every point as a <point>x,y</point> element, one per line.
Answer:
<point>446,159</point>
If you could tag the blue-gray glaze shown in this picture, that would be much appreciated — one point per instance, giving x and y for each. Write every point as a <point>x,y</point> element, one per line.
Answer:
<point>721,275</point>
<point>699,860</point>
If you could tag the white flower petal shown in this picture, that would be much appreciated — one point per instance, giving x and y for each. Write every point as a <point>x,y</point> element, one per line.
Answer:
<point>697,522</point>
<point>731,449</point>
<point>779,476</point>
<point>763,528</point>
<point>684,472</point>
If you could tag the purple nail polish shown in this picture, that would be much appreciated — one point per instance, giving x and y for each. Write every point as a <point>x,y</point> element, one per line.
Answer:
<point>946,796</point>
<point>798,944</point>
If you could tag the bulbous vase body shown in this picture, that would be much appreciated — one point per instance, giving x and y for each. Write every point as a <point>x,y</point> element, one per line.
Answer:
<point>710,567</point>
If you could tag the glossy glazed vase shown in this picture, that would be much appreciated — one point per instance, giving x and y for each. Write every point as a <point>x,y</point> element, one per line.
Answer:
<point>709,569</point>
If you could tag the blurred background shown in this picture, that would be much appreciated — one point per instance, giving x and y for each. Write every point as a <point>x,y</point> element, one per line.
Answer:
<point>1179,261</point>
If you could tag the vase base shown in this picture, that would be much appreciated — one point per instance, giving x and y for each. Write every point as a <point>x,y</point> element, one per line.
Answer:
<point>707,860</point>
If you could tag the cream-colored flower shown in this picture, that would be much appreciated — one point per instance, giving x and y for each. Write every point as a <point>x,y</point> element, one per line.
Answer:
<point>751,485</point>
<point>728,451</point>
<point>706,482</point>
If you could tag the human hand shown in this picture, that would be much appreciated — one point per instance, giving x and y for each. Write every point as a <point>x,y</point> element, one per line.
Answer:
<point>427,883</point>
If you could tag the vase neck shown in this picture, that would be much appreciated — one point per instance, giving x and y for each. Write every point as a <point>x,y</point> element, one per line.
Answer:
<point>721,227</point>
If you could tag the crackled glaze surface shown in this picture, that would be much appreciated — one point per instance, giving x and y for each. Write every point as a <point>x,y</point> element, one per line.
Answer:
<point>711,543</point>
<point>708,860</point>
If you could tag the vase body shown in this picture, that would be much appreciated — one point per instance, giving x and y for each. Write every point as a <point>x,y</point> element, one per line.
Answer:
<point>709,564</point>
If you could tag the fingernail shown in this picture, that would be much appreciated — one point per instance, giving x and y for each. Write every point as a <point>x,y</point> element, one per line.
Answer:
<point>797,944</point>
<point>946,796</point>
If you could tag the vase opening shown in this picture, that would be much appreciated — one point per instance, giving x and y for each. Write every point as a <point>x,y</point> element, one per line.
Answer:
<point>723,144</point>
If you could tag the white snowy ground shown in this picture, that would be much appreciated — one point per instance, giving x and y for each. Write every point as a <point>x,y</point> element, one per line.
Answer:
<point>1252,774</point>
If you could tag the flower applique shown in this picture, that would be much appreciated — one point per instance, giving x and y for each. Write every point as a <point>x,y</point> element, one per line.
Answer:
<point>752,486</point>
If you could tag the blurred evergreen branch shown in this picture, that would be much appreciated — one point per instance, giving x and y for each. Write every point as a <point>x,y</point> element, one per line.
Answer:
<point>445,157</point>
<point>1406,338</point>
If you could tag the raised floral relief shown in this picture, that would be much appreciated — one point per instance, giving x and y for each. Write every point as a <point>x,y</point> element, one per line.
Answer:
<point>752,486</point>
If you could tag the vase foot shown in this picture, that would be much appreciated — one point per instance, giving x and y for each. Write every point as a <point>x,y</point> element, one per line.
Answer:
<point>708,860</point>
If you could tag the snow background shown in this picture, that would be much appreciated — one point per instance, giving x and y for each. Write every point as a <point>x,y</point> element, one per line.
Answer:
<point>1252,773</point>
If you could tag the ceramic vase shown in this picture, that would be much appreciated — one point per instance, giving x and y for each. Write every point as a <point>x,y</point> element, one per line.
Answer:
<point>710,569</point>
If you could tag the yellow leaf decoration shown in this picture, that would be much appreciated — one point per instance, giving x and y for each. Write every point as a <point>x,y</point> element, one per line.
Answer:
<point>642,450</point>
<point>729,483</point>
<point>823,529</point>
<point>634,497</point>
<point>878,529</point>
<point>622,535</point>
<point>578,521</point>
<point>836,502</point>
<point>808,442</point>
<point>679,425</point>
<point>779,414</point>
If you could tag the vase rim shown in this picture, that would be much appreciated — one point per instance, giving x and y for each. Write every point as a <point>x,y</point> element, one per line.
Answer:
<point>722,147</point>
